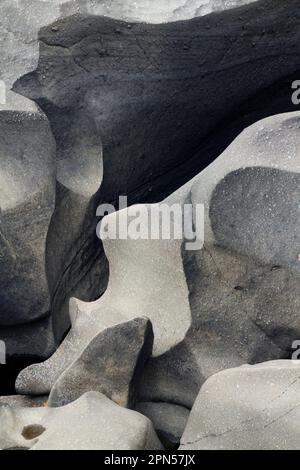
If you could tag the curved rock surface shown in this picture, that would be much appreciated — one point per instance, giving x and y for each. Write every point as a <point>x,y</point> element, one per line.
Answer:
<point>21,20</point>
<point>233,290</point>
<point>132,267</point>
<point>91,423</point>
<point>137,92</point>
<point>168,420</point>
<point>248,272</point>
<point>247,408</point>
<point>27,198</point>
<point>152,11</point>
<point>111,364</point>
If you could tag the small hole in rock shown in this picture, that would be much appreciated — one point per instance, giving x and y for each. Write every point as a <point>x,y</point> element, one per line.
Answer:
<point>32,431</point>
<point>275,268</point>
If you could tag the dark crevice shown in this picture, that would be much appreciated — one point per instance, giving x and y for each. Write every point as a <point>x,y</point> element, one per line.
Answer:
<point>10,371</point>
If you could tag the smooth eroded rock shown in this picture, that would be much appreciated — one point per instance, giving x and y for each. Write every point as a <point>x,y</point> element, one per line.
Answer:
<point>93,422</point>
<point>27,197</point>
<point>110,364</point>
<point>247,408</point>
<point>169,420</point>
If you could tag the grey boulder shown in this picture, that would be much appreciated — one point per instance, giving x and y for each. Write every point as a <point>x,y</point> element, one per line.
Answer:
<point>93,422</point>
<point>117,74</point>
<point>247,272</point>
<point>21,20</point>
<point>247,408</point>
<point>27,198</point>
<point>110,364</point>
<point>132,267</point>
<point>169,420</point>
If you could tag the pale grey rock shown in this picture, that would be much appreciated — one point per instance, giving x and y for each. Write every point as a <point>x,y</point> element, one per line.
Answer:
<point>169,420</point>
<point>134,72</point>
<point>93,422</point>
<point>38,379</point>
<point>27,197</point>
<point>22,401</point>
<point>152,11</point>
<point>111,364</point>
<point>248,271</point>
<point>233,290</point>
<point>132,267</point>
<point>247,408</point>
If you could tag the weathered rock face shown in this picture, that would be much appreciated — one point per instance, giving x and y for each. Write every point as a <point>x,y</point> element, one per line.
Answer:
<point>151,11</point>
<point>148,91</point>
<point>22,401</point>
<point>91,423</point>
<point>21,20</point>
<point>38,379</point>
<point>168,420</point>
<point>248,272</point>
<point>110,364</point>
<point>27,197</point>
<point>132,267</point>
<point>237,285</point>
<point>19,24</point>
<point>247,408</point>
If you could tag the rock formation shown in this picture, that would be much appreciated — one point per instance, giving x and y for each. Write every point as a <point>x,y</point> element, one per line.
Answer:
<point>150,224</point>
<point>247,408</point>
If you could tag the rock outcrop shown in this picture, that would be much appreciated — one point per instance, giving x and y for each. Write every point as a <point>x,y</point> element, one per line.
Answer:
<point>148,102</point>
<point>168,420</point>
<point>91,423</point>
<point>247,408</point>
<point>233,289</point>
<point>27,180</point>
<point>111,364</point>
<point>248,272</point>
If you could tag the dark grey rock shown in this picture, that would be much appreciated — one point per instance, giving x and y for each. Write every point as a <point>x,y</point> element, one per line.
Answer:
<point>148,91</point>
<point>110,364</point>
<point>27,180</point>
<point>169,420</point>
<point>31,340</point>
<point>244,284</point>
<point>247,408</point>
<point>21,20</point>
<point>38,379</point>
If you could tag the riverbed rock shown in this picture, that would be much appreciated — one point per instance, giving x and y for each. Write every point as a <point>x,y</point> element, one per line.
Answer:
<point>21,20</point>
<point>132,267</point>
<point>169,420</point>
<point>93,422</point>
<point>248,271</point>
<point>27,197</point>
<point>110,364</point>
<point>117,75</point>
<point>22,401</point>
<point>247,408</point>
